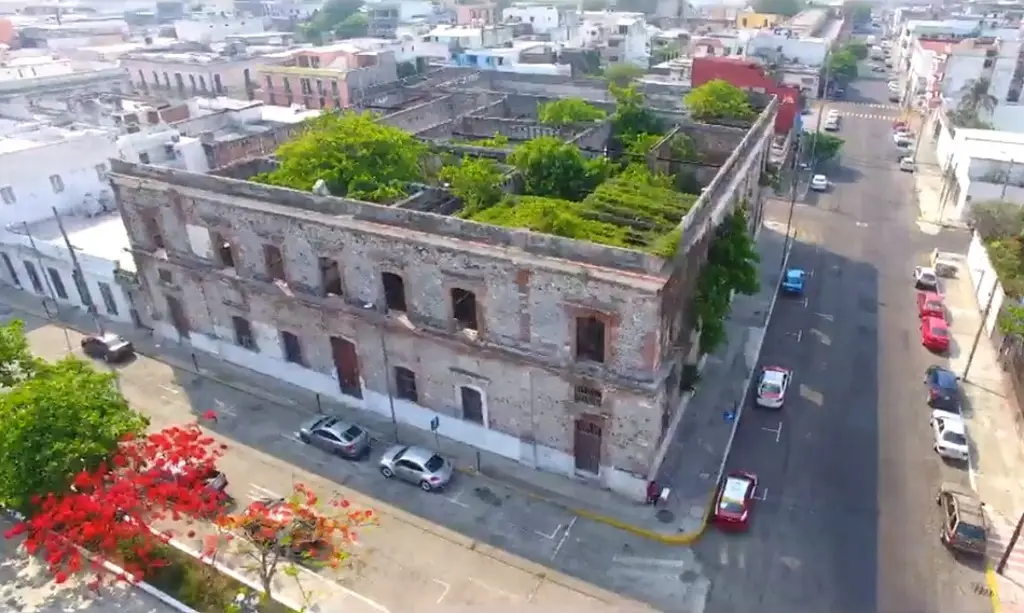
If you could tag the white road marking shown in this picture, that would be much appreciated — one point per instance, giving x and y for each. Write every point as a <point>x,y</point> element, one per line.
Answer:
<point>825,316</point>
<point>455,500</point>
<point>655,562</point>
<point>723,555</point>
<point>293,437</point>
<point>761,494</point>
<point>170,389</point>
<point>223,408</point>
<point>568,529</point>
<point>258,492</point>
<point>806,301</point>
<point>551,536</point>
<point>446,588</point>
<point>492,588</point>
<point>776,432</point>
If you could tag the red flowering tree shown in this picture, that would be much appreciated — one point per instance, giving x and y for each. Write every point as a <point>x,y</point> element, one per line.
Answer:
<point>278,534</point>
<point>110,512</point>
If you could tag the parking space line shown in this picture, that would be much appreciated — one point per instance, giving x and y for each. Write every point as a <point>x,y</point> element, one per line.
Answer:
<point>799,334</point>
<point>551,536</point>
<point>825,316</point>
<point>777,432</point>
<point>806,301</point>
<point>223,408</point>
<point>455,499</point>
<point>761,494</point>
<point>565,535</point>
<point>446,587</point>
<point>170,389</point>
<point>261,492</point>
<point>492,588</point>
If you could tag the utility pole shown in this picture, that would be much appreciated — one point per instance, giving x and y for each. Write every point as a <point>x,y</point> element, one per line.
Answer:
<point>387,382</point>
<point>981,328</point>
<point>1006,181</point>
<point>1010,546</point>
<point>49,284</point>
<point>80,283</point>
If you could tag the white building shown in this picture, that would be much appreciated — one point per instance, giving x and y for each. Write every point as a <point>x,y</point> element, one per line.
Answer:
<point>215,29</point>
<point>980,165</point>
<point>775,46</point>
<point>43,167</point>
<point>621,37</point>
<point>948,30</point>
<point>558,23</point>
<point>466,37</point>
<point>184,74</point>
<point>29,73</point>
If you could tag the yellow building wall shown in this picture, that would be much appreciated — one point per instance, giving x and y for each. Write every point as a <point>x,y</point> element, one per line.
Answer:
<point>757,20</point>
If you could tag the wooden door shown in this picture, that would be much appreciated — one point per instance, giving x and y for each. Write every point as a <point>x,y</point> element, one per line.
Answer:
<point>177,314</point>
<point>346,363</point>
<point>587,443</point>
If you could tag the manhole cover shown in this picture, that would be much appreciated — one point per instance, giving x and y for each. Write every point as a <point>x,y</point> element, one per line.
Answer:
<point>665,516</point>
<point>689,576</point>
<point>981,590</point>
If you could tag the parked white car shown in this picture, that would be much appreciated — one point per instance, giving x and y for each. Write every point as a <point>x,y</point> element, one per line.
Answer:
<point>771,389</point>
<point>950,435</point>
<point>819,183</point>
<point>907,164</point>
<point>926,278</point>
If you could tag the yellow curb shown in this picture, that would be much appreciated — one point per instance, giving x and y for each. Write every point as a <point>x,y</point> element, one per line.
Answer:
<point>992,581</point>
<point>682,538</point>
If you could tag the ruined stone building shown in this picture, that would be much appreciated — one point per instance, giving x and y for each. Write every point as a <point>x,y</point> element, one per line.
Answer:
<point>561,354</point>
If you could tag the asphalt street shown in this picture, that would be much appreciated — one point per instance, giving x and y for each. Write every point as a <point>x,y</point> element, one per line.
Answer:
<point>848,520</point>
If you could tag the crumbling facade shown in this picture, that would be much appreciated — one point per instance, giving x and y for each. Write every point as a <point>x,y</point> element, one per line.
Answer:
<point>561,354</point>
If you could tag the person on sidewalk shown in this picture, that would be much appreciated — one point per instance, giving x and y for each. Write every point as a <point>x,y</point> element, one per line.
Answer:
<point>653,493</point>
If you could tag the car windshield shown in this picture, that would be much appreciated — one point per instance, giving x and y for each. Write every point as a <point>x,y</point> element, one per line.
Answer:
<point>939,332</point>
<point>770,389</point>
<point>954,438</point>
<point>434,464</point>
<point>970,532</point>
<point>733,495</point>
<point>352,433</point>
<point>945,379</point>
<point>934,305</point>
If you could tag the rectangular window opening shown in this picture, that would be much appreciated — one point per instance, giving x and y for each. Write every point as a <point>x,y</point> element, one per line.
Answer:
<point>330,277</point>
<point>292,348</point>
<point>274,262</point>
<point>405,384</point>
<point>586,394</point>
<point>464,308</point>
<point>590,339</point>
<point>243,333</point>
<point>394,292</point>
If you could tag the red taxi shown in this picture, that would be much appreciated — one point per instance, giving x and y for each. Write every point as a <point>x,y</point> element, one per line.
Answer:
<point>935,334</point>
<point>929,304</point>
<point>735,501</point>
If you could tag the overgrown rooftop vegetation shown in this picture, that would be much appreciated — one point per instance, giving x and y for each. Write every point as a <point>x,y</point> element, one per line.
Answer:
<point>554,187</point>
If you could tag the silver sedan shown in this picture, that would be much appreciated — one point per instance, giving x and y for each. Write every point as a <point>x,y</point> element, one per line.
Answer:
<point>418,466</point>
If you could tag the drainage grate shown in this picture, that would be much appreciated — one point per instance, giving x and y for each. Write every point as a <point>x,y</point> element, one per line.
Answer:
<point>981,590</point>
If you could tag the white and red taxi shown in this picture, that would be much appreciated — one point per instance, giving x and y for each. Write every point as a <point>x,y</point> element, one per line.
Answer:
<point>771,388</point>
<point>735,501</point>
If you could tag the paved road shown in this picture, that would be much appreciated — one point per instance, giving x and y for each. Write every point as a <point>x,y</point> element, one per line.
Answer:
<point>478,529</point>
<point>848,522</point>
<point>26,587</point>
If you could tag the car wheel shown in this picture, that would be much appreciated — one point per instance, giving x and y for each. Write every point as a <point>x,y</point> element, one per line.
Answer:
<point>387,472</point>
<point>425,486</point>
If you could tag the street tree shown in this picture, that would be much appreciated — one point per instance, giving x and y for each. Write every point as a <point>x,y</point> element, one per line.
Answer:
<point>975,101</point>
<point>567,112</point>
<point>822,146</point>
<point>842,65</point>
<point>719,100</point>
<point>859,50</point>
<point>786,8</point>
<point>354,26</point>
<point>333,14</point>
<point>556,169</point>
<point>632,118</point>
<point>731,268</point>
<point>278,535</point>
<point>995,219</point>
<point>16,360</point>
<point>622,74</point>
<point>354,154</point>
<point>66,418</point>
<point>475,181</point>
<point>111,511</point>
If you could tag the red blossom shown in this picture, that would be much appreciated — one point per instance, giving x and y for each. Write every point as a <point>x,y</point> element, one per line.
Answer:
<point>209,415</point>
<point>161,475</point>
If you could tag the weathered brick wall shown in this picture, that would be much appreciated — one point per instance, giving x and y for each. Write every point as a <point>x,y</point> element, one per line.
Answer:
<point>424,116</point>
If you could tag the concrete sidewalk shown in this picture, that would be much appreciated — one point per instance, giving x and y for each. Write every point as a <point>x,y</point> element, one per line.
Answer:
<point>689,469</point>
<point>997,453</point>
<point>937,209</point>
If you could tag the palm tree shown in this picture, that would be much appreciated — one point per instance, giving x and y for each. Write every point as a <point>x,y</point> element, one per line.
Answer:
<point>975,100</point>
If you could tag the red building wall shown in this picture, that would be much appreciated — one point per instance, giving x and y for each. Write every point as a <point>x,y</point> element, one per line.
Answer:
<point>747,74</point>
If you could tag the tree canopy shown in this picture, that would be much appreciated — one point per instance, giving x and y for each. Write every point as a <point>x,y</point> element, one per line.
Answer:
<point>731,267</point>
<point>568,111</point>
<point>843,65</point>
<point>976,102</point>
<point>355,155</point>
<point>822,146</point>
<point>859,50</point>
<point>327,20</point>
<point>476,182</point>
<point>623,74</point>
<point>787,8</point>
<point>556,169</point>
<point>719,100</point>
<point>16,361</point>
<point>632,118</point>
<point>64,418</point>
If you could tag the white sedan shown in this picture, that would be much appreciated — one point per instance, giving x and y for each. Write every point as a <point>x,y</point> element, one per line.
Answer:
<point>950,435</point>
<point>771,389</point>
<point>819,183</point>
<point>907,164</point>
<point>926,278</point>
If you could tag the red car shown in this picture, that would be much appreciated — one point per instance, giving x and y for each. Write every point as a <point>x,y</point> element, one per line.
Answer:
<point>735,501</point>
<point>935,334</point>
<point>898,124</point>
<point>929,304</point>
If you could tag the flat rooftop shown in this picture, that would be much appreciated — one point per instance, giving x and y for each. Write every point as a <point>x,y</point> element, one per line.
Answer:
<point>17,142</point>
<point>103,236</point>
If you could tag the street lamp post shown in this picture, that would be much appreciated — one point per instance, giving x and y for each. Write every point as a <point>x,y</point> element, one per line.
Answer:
<point>1003,559</point>
<point>977,335</point>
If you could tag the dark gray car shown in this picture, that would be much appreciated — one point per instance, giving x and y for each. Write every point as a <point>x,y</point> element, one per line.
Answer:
<point>335,436</point>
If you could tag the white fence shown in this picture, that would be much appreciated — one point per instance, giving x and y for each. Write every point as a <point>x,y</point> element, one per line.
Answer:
<point>984,281</point>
